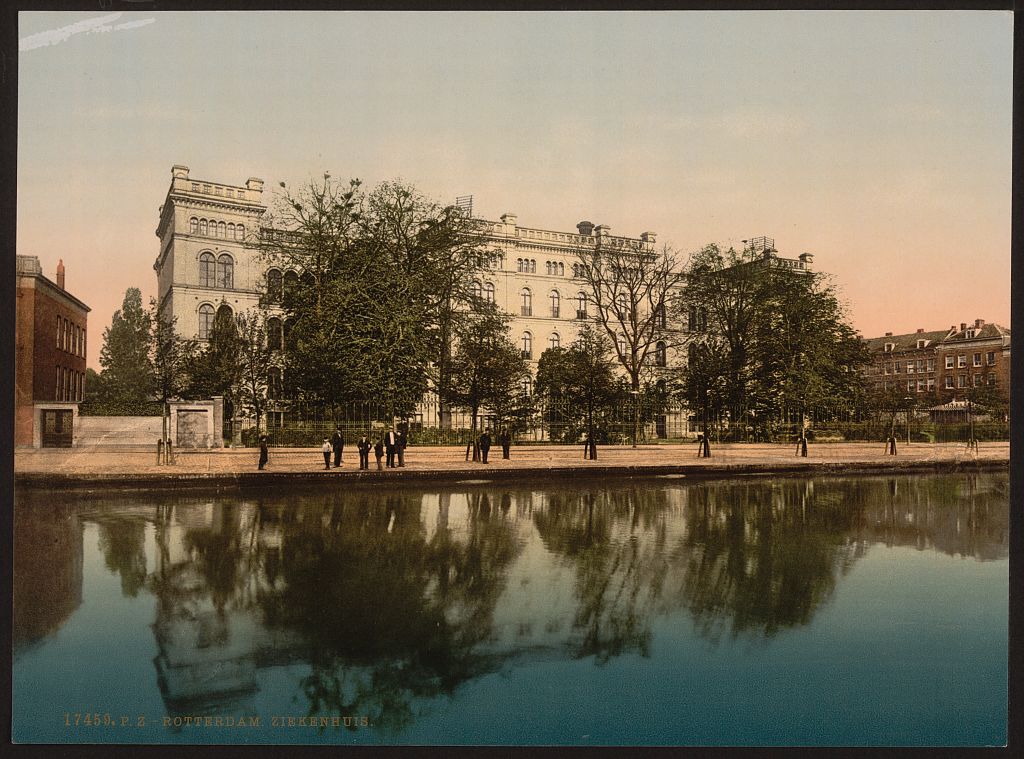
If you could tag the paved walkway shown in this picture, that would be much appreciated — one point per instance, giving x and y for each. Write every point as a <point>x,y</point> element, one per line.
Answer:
<point>108,464</point>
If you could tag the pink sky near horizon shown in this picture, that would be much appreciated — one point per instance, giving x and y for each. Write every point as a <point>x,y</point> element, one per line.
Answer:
<point>878,141</point>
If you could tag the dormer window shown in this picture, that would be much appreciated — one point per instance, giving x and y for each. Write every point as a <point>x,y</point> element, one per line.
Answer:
<point>921,344</point>
<point>969,334</point>
<point>890,347</point>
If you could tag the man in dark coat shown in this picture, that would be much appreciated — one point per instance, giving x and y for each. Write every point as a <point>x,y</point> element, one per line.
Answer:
<point>485,445</point>
<point>338,445</point>
<point>402,442</point>
<point>390,445</point>
<point>378,451</point>
<point>364,452</point>
<point>264,455</point>
<point>505,441</point>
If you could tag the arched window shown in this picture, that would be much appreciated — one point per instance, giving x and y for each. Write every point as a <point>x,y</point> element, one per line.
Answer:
<point>519,264</point>
<point>274,339</point>
<point>581,305</point>
<point>555,340</point>
<point>500,261</point>
<point>556,304</point>
<point>662,318</point>
<point>291,284</point>
<point>206,315</point>
<point>221,227</point>
<point>476,289</point>
<point>526,302</point>
<point>527,385</point>
<point>193,225</point>
<point>274,285</point>
<point>547,268</point>
<point>620,342</point>
<point>207,270</point>
<point>274,386</point>
<point>225,272</point>
<point>307,280</point>
<point>289,324</point>
<point>533,266</point>
<point>527,342</point>
<point>202,226</point>
<point>224,311</point>
<point>660,354</point>
<point>240,232</point>
<point>561,269</point>
<point>489,292</point>
<point>231,231</point>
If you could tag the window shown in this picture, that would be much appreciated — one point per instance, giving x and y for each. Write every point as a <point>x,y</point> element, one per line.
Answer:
<point>67,336</point>
<point>963,381</point>
<point>620,342</point>
<point>547,268</point>
<point>533,266</point>
<point>527,343</point>
<point>920,385</point>
<point>207,269</point>
<point>949,362</point>
<point>977,359</point>
<point>910,366</point>
<point>920,365</point>
<point>897,367</point>
<point>991,358</point>
<point>949,381</point>
<point>887,368</point>
<point>291,283</point>
<point>660,354</point>
<point>56,385</point>
<point>921,344</point>
<point>206,314</point>
<point>60,326</point>
<point>576,270</point>
<point>961,361</point>
<point>83,343</point>
<point>910,386</point>
<point>991,379</point>
<point>231,231</point>
<point>489,292</point>
<point>519,264</point>
<point>476,289</point>
<point>526,302</point>
<point>969,334</point>
<point>274,285</point>
<point>286,332</point>
<point>561,270</point>
<point>240,232</point>
<point>225,271</point>
<point>556,304</point>
<point>581,305</point>
<point>976,380</point>
<point>527,385</point>
<point>931,384</point>
<point>221,229</point>
<point>555,341</point>
<point>931,364</point>
<point>890,347</point>
<point>202,226</point>
<point>274,333</point>
<point>274,382</point>
<point>662,317</point>
<point>193,225</point>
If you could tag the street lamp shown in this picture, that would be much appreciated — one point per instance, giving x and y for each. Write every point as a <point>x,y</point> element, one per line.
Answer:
<point>908,400</point>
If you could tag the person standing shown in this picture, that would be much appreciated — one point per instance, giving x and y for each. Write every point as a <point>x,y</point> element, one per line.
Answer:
<point>326,450</point>
<point>378,451</point>
<point>401,443</point>
<point>364,452</point>
<point>505,441</point>
<point>264,454</point>
<point>390,443</point>
<point>337,445</point>
<point>485,445</point>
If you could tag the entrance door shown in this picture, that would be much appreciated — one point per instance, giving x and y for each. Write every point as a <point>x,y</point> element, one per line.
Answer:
<point>57,427</point>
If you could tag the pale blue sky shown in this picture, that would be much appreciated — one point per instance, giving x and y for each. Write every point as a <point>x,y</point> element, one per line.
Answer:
<point>879,141</point>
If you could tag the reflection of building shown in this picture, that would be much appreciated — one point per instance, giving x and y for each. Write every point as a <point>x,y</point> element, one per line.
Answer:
<point>47,583</point>
<point>946,362</point>
<point>50,357</point>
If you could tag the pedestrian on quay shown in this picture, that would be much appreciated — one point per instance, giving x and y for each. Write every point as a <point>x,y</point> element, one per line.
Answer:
<point>890,445</point>
<point>364,452</point>
<point>402,441</point>
<point>801,445</point>
<point>505,441</point>
<point>264,454</point>
<point>378,451</point>
<point>390,444</point>
<point>485,444</point>
<point>326,450</point>
<point>338,445</point>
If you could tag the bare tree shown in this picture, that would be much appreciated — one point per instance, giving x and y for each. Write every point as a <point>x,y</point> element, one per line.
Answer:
<point>632,285</point>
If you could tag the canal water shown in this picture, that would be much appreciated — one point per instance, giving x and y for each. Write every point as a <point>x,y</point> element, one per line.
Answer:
<point>829,611</point>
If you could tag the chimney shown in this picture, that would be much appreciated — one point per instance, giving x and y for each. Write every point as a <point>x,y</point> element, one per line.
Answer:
<point>60,274</point>
<point>255,184</point>
<point>979,323</point>
<point>179,172</point>
<point>648,237</point>
<point>585,228</point>
<point>509,218</point>
<point>603,230</point>
<point>963,326</point>
<point>920,330</point>
<point>888,334</point>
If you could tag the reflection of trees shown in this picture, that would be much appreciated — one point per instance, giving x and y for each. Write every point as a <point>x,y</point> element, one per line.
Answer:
<point>384,615</point>
<point>123,543</point>
<point>619,573</point>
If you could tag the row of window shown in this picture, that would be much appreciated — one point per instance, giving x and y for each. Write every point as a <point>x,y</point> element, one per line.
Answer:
<point>951,383</point>
<point>207,315</point>
<point>216,271</point>
<point>214,228</point>
<point>70,385</point>
<point>217,190</point>
<point>554,299</point>
<point>70,337</point>
<point>280,284</point>
<point>928,365</point>
<point>961,360</point>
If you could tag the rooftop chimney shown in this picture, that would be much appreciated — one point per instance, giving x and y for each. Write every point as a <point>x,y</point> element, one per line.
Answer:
<point>60,274</point>
<point>585,228</point>
<point>963,326</point>
<point>509,218</point>
<point>648,237</point>
<point>920,330</point>
<point>888,334</point>
<point>254,183</point>
<point>979,323</point>
<point>603,230</point>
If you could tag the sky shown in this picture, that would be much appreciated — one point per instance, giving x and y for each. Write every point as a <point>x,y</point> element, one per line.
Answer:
<point>879,141</point>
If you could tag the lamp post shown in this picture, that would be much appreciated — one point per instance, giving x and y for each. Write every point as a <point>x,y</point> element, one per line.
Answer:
<point>909,400</point>
<point>636,414</point>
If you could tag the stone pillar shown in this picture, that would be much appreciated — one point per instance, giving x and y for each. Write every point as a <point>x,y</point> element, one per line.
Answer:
<point>217,436</point>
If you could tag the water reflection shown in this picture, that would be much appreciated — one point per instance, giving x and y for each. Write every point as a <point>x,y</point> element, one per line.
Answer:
<point>390,600</point>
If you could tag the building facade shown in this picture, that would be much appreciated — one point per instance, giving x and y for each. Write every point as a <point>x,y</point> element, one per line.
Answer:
<point>946,363</point>
<point>50,343</point>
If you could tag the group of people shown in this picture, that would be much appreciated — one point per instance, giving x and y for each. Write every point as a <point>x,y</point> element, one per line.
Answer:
<point>391,445</point>
<point>484,443</point>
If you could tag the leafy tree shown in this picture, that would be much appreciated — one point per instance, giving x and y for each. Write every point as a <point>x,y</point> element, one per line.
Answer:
<point>170,357</point>
<point>632,286</point>
<point>125,384</point>
<point>487,368</point>
<point>255,362</point>
<point>217,369</point>
<point>579,381</point>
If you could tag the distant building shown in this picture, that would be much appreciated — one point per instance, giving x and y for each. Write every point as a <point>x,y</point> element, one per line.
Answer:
<point>50,343</point>
<point>944,363</point>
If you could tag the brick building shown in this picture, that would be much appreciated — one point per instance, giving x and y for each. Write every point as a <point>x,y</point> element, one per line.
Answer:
<point>50,342</point>
<point>944,364</point>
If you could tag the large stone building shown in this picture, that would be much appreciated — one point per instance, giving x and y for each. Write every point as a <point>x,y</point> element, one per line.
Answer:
<point>50,341</point>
